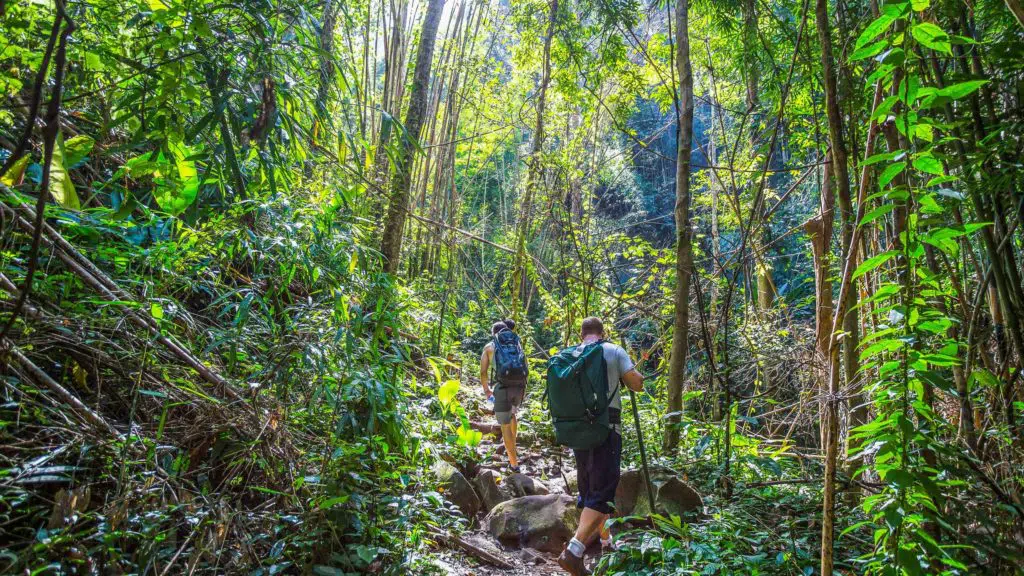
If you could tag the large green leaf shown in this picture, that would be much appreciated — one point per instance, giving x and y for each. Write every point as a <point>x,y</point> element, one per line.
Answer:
<point>928,163</point>
<point>468,437</point>
<point>15,172</point>
<point>958,91</point>
<point>879,25</point>
<point>177,191</point>
<point>868,51</point>
<point>873,262</point>
<point>932,36</point>
<point>76,149</point>
<point>61,187</point>
<point>891,171</point>
<point>446,393</point>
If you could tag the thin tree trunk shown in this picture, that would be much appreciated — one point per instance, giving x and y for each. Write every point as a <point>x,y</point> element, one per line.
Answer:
<point>536,172</point>
<point>766,291</point>
<point>684,246</point>
<point>391,243</point>
<point>326,59</point>
<point>840,168</point>
<point>841,171</point>
<point>819,229</point>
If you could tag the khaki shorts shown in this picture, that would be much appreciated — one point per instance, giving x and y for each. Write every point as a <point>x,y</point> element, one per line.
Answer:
<point>507,400</point>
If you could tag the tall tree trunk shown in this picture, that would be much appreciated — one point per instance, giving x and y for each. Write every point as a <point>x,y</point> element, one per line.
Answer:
<point>859,413</point>
<point>536,173</point>
<point>766,291</point>
<point>819,229</point>
<point>391,243</point>
<point>841,171</point>
<point>326,60</point>
<point>684,246</point>
<point>394,45</point>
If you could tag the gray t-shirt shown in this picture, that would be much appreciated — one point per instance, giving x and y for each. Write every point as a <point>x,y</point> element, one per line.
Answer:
<point>619,363</point>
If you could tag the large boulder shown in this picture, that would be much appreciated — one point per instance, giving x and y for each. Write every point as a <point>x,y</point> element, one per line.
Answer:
<point>489,488</point>
<point>543,523</point>
<point>522,485</point>
<point>672,496</point>
<point>456,488</point>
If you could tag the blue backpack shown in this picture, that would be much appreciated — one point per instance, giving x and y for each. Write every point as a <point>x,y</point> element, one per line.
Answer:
<point>510,366</point>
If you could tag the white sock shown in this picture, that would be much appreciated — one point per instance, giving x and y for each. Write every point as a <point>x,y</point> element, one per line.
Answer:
<point>576,548</point>
<point>606,543</point>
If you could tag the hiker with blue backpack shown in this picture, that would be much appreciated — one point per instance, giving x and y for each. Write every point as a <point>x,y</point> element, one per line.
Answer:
<point>504,356</point>
<point>583,394</point>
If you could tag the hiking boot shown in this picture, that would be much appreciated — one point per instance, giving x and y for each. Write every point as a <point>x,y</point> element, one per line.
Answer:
<point>514,469</point>
<point>572,564</point>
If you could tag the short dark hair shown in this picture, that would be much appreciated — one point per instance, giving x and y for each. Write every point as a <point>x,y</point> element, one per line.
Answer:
<point>510,323</point>
<point>498,327</point>
<point>592,326</point>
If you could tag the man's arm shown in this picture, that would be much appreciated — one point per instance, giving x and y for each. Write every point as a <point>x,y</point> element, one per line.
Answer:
<point>633,380</point>
<point>485,369</point>
<point>630,377</point>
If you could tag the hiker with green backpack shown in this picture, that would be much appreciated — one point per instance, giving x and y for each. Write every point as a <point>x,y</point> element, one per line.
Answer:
<point>505,357</point>
<point>583,385</point>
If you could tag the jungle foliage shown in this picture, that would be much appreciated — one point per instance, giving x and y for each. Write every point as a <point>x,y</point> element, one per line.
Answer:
<point>250,252</point>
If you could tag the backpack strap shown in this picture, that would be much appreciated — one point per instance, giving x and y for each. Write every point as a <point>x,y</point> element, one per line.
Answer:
<point>614,414</point>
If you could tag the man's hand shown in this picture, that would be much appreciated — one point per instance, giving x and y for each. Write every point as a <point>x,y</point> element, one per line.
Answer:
<point>633,380</point>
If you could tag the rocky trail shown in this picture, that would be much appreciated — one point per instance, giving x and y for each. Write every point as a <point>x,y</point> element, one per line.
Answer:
<point>519,523</point>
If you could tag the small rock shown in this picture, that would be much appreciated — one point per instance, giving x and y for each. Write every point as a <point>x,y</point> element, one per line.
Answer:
<point>490,491</point>
<point>529,556</point>
<point>523,485</point>
<point>456,488</point>
<point>543,523</point>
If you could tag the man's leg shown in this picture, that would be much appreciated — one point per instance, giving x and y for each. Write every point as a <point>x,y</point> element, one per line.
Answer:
<point>602,478</point>
<point>511,434</point>
<point>504,412</point>
<point>591,523</point>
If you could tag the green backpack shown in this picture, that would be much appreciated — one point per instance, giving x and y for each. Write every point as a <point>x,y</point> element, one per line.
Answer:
<point>577,395</point>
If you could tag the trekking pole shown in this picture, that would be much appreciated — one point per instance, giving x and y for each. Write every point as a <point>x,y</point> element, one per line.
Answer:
<point>643,452</point>
<point>640,441</point>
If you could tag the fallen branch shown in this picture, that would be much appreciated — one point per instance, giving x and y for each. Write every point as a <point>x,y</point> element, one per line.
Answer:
<point>23,215</point>
<point>44,379</point>
<point>472,549</point>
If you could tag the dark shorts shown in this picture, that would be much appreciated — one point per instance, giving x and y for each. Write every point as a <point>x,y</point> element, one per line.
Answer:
<point>597,473</point>
<point>507,398</point>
